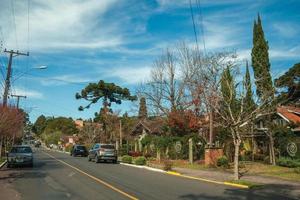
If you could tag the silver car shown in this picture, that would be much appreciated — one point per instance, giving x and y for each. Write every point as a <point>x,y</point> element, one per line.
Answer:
<point>20,155</point>
<point>103,152</point>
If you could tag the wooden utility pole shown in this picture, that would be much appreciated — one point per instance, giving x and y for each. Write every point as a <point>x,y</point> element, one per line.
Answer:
<point>121,135</point>
<point>12,54</point>
<point>18,98</point>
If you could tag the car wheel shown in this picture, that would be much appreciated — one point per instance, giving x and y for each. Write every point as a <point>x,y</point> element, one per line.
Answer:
<point>97,160</point>
<point>115,161</point>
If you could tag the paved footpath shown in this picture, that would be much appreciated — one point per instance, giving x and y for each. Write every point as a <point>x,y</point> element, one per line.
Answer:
<point>60,176</point>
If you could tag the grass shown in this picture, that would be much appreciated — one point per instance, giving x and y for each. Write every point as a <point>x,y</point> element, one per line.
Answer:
<point>272,171</point>
<point>2,160</point>
<point>250,184</point>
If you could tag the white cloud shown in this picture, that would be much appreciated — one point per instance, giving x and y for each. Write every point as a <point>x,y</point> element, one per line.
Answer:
<point>287,29</point>
<point>65,79</point>
<point>130,75</point>
<point>33,94</point>
<point>60,24</point>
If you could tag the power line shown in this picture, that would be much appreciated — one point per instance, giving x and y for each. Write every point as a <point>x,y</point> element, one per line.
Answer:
<point>194,26</point>
<point>14,20</point>
<point>201,24</point>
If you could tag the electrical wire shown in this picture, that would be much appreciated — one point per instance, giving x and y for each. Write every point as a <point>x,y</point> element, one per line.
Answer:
<point>194,25</point>
<point>198,2</point>
<point>14,21</point>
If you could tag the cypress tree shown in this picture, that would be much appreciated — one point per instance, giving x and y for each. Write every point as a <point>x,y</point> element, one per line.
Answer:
<point>143,108</point>
<point>261,63</point>
<point>249,102</point>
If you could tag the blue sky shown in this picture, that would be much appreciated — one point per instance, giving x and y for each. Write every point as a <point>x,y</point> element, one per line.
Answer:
<point>84,41</point>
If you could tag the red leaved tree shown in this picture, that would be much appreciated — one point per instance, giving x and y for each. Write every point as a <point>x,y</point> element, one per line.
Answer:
<point>11,125</point>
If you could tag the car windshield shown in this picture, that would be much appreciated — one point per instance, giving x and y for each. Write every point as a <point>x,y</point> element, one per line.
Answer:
<point>81,147</point>
<point>108,146</point>
<point>21,150</point>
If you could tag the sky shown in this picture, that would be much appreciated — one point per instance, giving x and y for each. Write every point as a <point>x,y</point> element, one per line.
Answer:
<point>83,41</point>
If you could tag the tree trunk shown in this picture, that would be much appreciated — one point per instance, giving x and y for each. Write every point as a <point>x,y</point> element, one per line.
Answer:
<point>236,159</point>
<point>211,127</point>
<point>271,150</point>
<point>1,144</point>
<point>158,155</point>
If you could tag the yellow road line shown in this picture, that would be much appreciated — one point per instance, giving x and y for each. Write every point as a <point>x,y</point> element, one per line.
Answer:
<point>207,180</point>
<point>95,179</point>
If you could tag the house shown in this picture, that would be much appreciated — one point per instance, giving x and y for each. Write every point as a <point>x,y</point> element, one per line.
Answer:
<point>144,127</point>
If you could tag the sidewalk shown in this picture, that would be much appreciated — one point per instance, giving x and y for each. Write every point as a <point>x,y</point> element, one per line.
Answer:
<point>226,176</point>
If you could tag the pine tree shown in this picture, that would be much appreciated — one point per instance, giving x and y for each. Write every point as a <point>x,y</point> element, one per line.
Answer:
<point>249,102</point>
<point>143,108</point>
<point>261,63</point>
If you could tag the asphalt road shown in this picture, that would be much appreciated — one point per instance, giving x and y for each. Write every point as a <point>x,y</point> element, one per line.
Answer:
<point>60,176</point>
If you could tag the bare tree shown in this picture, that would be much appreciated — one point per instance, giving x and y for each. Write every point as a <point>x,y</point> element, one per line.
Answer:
<point>232,111</point>
<point>165,91</point>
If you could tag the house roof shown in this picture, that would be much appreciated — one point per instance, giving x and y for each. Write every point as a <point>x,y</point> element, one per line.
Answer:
<point>289,113</point>
<point>151,126</point>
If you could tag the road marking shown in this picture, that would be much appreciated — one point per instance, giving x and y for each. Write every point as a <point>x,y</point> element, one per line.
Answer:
<point>95,178</point>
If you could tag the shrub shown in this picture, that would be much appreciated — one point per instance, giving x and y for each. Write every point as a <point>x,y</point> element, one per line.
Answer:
<point>222,162</point>
<point>141,160</point>
<point>267,160</point>
<point>297,170</point>
<point>168,165</point>
<point>127,159</point>
<point>135,153</point>
<point>288,162</point>
<point>148,155</point>
<point>68,148</point>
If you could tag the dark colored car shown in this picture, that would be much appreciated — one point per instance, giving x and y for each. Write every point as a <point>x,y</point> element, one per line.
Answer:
<point>103,152</point>
<point>20,155</point>
<point>79,150</point>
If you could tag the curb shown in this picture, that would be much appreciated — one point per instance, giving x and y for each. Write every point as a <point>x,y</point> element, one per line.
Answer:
<point>143,167</point>
<point>236,185</point>
<point>173,173</point>
<point>2,164</point>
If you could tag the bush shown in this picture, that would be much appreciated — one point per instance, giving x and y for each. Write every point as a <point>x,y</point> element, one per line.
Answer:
<point>127,159</point>
<point>135,153</point>
<point>297,170</point>
<point>168,165</point>
<point>222,162</point>
<point>68,148</point>
<point>288,162</point>
<point>141,160</point>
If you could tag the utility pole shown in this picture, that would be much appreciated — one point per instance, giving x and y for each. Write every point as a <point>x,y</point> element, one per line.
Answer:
<point>121,135</point>
<point>12,54</point>
<point>18,98</point>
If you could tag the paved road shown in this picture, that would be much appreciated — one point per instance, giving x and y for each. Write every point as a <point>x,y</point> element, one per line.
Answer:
<point>60,176</point>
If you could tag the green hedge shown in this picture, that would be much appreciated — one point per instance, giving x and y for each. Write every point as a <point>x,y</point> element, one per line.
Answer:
<point>141,160</point>
<point>288,162</point>
<point>127,159</point>
<point>223,162</point>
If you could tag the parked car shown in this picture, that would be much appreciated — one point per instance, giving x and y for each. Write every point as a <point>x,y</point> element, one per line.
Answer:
<point>79,150</point>
<point>20,155</point>
<point>103,152</point>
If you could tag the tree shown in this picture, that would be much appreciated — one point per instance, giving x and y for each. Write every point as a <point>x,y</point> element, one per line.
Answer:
<point>39,125</point>
<point>164,91</point>
<point>249,102</point>
<point>107,92</point>
<point>142,108</point>
<point>290,85</point>
<point>11,125</point>
<point>261,63</point>
<point>232,111</point>
<point>263,80</point>
<point>62,124</point>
